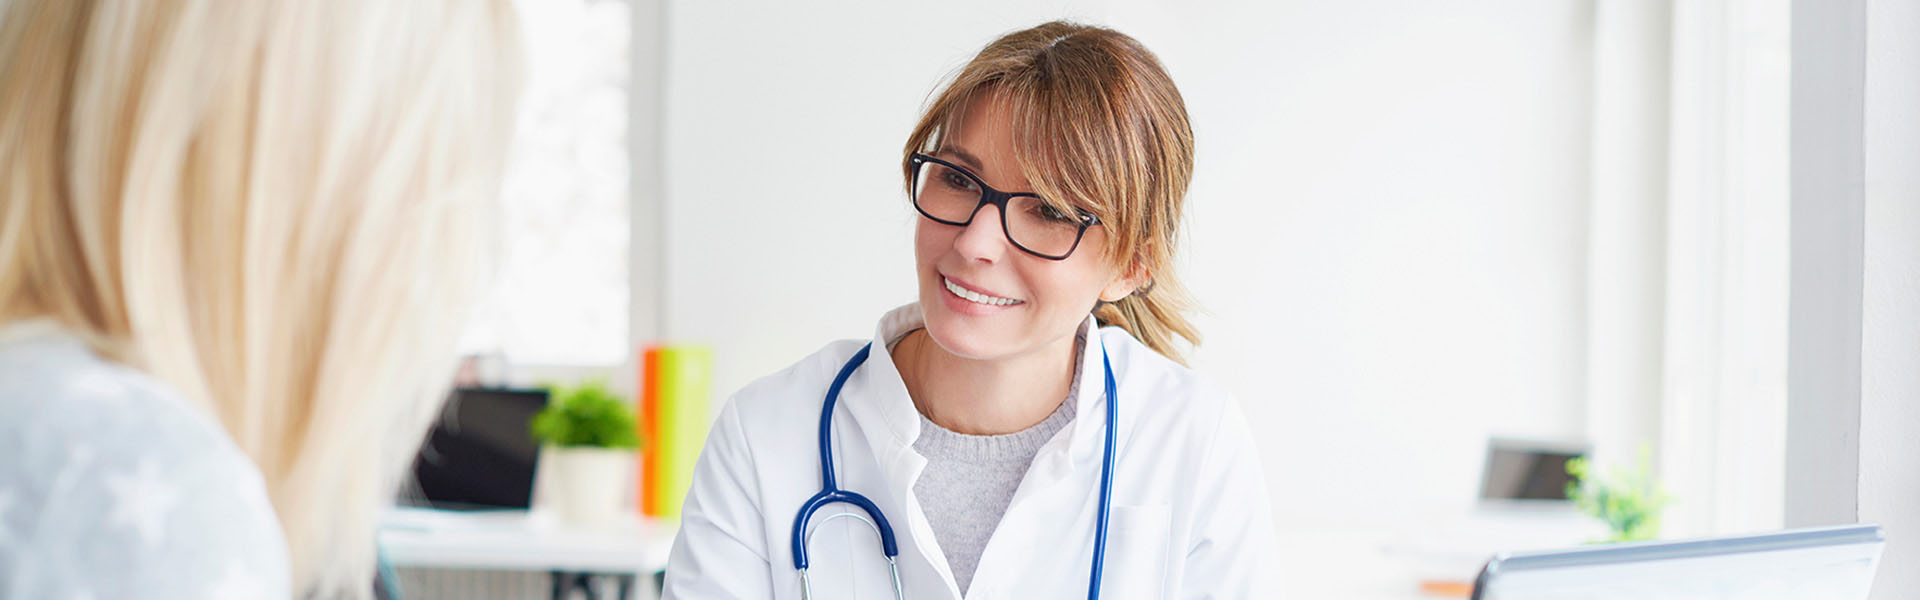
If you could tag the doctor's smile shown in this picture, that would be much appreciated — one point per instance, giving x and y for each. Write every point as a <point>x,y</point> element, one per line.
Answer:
<point>978,297</point>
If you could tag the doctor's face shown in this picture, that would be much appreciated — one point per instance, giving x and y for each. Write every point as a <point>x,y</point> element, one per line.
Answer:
<point>985,298</point>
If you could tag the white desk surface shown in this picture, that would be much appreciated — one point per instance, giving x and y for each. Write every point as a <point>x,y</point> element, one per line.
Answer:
<point>522,541</point>
<point>1388,562</point>
<point>1352,563</point>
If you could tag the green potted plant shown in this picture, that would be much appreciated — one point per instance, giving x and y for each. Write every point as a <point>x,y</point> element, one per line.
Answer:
<point>1629,501</point>
<point>587,435</point>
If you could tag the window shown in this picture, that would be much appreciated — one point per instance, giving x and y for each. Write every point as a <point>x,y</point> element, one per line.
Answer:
<point>561,294</point>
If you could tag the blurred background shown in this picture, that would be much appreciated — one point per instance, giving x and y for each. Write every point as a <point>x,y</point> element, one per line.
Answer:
<point>1436,244</point>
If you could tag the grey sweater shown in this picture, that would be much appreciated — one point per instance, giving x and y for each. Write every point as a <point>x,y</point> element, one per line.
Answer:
<point>970,479</point>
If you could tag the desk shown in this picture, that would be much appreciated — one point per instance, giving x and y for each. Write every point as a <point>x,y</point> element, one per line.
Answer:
<point>525,541</point>
<point>1389,560</point>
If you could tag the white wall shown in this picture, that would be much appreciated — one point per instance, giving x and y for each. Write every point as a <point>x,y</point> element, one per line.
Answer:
<point>1388,227</point>
<point>1890,332</point>
<point>1386,223</point>
<point>1856,294</point>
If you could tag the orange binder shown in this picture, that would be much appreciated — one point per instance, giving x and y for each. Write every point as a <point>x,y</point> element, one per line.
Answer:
<point>649,424</point>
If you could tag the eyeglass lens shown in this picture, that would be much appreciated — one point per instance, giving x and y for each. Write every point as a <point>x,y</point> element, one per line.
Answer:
<point>952,196</point>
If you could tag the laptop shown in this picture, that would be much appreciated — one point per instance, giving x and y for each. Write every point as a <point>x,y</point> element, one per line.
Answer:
<point>480,454</point>
<point>1527,474</point>
<point>1830,563</point>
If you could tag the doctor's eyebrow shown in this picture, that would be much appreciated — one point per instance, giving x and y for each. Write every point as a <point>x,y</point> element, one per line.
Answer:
<point>962,155</point>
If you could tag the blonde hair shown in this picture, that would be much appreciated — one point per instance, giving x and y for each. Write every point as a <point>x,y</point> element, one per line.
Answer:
<point>1098,125</point>
<point>277,208</point>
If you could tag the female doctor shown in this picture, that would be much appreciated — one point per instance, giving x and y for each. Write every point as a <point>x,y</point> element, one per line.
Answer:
<point>1027,429</point>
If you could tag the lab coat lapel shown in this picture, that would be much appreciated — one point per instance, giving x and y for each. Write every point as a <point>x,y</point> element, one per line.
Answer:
<point>1072,459</point>
<point>1081,449</point>
<point>879,403</point>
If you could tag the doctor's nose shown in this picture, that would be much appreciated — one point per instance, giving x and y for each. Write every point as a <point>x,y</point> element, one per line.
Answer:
<point>984,239</point>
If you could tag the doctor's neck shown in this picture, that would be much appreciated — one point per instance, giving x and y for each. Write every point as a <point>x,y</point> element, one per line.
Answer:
<point>985,397</point>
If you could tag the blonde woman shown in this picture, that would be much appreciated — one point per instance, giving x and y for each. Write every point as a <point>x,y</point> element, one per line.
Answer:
<point>235,237</point>
<point>1027,429</point>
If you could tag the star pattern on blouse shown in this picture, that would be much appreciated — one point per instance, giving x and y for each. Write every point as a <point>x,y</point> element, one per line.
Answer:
<point>238,584</point>
<point>142,501</point>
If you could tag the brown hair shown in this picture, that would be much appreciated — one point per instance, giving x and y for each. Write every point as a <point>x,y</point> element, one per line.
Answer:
<point>1099,126</point>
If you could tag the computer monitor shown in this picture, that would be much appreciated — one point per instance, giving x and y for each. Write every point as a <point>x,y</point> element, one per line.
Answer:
<point>1833,563</point>
<point>480,454</point>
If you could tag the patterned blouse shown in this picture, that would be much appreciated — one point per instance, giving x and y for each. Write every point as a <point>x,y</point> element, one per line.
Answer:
<point>113,487</point>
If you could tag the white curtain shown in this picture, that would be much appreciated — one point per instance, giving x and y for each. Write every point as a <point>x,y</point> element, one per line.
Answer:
<point>1687,285</point>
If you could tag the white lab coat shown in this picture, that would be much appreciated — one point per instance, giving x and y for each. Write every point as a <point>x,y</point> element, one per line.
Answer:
<point>1190,516</point>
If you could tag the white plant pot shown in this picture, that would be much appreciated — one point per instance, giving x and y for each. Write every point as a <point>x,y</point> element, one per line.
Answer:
<point>590,484</point>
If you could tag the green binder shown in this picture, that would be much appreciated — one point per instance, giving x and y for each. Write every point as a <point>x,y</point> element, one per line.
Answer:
<point>686,388</point>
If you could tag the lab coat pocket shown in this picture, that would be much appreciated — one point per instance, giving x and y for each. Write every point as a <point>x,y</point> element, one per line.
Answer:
<point>1136,564</point>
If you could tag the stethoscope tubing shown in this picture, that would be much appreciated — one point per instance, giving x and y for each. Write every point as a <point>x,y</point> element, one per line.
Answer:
<point>1106,483</point>
<point>830,493</point>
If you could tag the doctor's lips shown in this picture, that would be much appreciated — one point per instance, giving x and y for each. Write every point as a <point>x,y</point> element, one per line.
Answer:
<point>977,297</point>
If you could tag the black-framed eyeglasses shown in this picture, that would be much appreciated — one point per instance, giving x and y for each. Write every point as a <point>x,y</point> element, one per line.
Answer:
<point>949,194</point>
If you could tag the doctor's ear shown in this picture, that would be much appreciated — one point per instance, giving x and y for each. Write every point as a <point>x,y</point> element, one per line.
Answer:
<point>1135,281</point>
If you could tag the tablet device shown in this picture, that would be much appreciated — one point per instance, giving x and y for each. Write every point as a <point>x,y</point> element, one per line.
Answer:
<point>1830,563</point>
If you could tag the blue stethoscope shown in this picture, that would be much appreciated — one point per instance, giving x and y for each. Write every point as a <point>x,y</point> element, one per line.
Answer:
<point>830,493</point>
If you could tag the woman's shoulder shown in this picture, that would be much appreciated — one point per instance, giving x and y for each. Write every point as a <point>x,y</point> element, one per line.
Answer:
<point>1185,402</point>
<point>55,394</point>
<point>1136,364</point>
<point>115,487</point>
